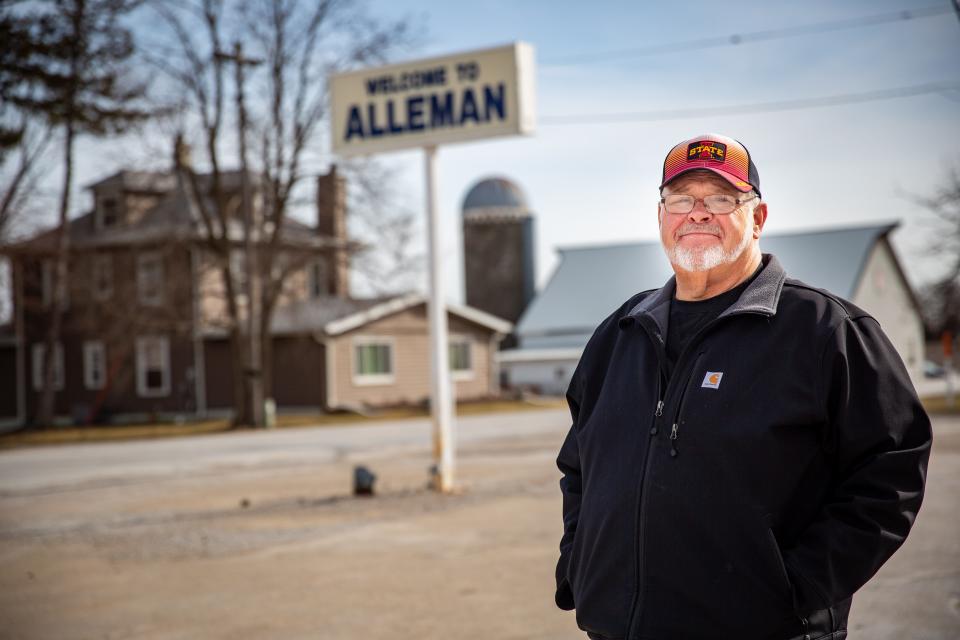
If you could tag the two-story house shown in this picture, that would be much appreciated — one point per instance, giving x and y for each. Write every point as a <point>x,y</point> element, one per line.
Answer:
<point>144,321</point>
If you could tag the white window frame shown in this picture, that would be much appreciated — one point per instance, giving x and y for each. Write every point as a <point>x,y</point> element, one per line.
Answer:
<point>318,279</point>
<point>144,261</point>
<point>94,360</point>
<point>142,344</point>
<point>462,374</point>
<point>372,379</point>
<point>39,350</point>
<point>47,268</point>
<point>102,265</point>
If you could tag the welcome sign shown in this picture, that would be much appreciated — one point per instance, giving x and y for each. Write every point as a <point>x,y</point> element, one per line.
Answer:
<point>467,96</point>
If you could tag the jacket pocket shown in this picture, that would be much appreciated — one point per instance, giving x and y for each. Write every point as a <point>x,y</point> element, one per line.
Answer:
<point>600,569</point>
<point>781,567</point>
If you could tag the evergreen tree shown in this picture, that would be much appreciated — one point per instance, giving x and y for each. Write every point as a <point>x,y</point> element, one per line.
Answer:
<point>70,69</point>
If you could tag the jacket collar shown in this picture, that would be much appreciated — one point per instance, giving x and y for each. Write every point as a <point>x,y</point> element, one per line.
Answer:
<point>761,296</point>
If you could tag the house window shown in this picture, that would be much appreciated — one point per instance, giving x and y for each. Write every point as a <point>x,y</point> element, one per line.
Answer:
<point>109,212</point>
<point>102,277</point>
<point>318,282</point>
<point>461,360</point>
<point>47,271</point>
<point>94,365</point>
<point>39,351</point>
<point>373,360</point>
<point>153,367</point>
<point>150,278</point>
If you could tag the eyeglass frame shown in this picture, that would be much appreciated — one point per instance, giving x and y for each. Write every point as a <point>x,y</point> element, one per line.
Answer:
<point>738,201</point>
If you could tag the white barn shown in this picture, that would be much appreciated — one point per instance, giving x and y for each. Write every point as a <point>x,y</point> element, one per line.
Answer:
<point>855,263</point>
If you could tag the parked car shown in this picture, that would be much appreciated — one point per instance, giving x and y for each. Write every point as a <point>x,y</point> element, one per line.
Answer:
<point>933,369</point>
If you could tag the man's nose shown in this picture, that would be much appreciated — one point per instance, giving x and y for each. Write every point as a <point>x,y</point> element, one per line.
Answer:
<point>699,212</point>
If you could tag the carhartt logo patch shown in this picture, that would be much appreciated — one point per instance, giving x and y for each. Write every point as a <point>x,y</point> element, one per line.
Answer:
<point>712,380</point>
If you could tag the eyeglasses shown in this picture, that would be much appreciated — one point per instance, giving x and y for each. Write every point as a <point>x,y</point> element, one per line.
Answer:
<point>718,203</point>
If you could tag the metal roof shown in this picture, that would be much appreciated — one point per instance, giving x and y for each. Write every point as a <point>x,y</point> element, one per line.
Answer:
<point>590,282</point>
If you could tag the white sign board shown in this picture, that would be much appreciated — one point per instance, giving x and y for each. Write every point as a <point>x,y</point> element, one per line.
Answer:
<point>467,96</point>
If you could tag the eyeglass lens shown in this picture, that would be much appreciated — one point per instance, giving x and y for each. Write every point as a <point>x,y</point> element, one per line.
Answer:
<point>717,203</point>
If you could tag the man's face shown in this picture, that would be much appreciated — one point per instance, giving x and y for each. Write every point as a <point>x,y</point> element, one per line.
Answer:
<point>700,240</point>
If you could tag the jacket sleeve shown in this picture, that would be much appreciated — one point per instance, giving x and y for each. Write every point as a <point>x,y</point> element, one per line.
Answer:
<point>878,443</point>
<point>568,461</point>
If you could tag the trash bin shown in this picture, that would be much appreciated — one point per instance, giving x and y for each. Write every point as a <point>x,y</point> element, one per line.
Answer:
<point>363,480</point>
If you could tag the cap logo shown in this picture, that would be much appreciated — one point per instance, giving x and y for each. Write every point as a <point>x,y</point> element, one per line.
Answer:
<point>706,150</point>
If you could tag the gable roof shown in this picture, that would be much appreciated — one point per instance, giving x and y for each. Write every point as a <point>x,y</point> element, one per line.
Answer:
<point>572,301</point>
<point>396,305</point>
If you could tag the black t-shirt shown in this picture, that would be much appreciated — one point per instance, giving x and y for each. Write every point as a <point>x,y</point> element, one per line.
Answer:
<point>688,316</point>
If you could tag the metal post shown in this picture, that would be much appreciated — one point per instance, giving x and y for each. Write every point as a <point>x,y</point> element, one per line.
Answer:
<point>441,408</point>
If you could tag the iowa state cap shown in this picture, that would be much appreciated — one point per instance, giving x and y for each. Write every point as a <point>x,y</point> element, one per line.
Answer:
<point>722,155</point>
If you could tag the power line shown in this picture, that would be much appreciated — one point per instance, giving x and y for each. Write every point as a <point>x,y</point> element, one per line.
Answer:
<point>755,107</point>
<point>735,39</point>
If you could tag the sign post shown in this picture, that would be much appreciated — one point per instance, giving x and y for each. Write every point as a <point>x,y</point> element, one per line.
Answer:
<point>427,103</point>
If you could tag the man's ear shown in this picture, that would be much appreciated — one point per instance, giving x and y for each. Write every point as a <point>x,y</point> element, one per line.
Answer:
<point>659,215</point>
<point>759,218</point>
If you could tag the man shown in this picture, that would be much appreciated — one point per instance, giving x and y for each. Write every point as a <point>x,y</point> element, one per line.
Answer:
<point>746,450</point>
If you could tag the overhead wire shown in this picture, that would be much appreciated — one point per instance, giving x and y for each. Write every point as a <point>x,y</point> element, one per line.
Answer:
<point>736,39</point>
<point>755,107</point>
<point>945,89</point>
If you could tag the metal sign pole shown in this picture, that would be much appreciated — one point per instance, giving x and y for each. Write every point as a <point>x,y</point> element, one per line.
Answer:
<point>441,408</point>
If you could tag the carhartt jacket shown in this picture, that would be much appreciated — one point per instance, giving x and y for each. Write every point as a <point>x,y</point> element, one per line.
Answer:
<point>751,496</point>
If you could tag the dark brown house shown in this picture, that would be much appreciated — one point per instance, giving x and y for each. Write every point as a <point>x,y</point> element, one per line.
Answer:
<point>143,327</point>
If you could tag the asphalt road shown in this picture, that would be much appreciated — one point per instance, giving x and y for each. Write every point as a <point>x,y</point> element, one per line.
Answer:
<point>67,467</point>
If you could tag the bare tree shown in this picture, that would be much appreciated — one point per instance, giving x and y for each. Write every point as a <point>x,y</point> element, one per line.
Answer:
<point>295,44</point>
<point>942,298</point>
<point>20,172</point>
<point>392,260</point>
<point>82,87</point>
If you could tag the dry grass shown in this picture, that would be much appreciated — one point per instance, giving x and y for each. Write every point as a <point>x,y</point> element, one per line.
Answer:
<point>108,433</point>
<point>938,405</point>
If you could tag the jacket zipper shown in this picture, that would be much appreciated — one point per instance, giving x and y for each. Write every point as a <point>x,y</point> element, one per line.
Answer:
<point>674,430</point>
<point>634,619</point>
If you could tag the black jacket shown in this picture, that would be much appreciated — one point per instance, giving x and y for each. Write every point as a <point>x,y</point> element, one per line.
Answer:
<point>751,508</point>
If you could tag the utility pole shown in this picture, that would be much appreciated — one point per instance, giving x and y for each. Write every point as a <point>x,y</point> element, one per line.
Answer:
<point>253,371</point>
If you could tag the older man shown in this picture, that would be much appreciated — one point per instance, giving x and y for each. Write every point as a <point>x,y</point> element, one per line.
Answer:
<point>746,450</point>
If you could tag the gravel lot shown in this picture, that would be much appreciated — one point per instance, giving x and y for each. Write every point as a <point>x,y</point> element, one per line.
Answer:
<point>255,535</point>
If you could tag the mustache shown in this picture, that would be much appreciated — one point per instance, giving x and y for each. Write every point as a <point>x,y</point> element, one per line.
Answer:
<point>712,229</point>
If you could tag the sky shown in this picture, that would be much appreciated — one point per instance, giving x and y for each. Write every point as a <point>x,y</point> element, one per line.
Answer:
<point>595,182</point>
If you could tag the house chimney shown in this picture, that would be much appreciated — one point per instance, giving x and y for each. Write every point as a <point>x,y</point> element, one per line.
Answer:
<point>332,223</point>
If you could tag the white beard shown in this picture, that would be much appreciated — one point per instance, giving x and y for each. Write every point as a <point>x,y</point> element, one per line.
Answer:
<point>704,259</point>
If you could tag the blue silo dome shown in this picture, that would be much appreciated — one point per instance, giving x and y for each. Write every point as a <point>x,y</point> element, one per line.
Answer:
<point>495,195</point>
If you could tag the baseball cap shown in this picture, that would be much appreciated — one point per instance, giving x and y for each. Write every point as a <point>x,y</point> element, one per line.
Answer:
<point>722,155</point>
